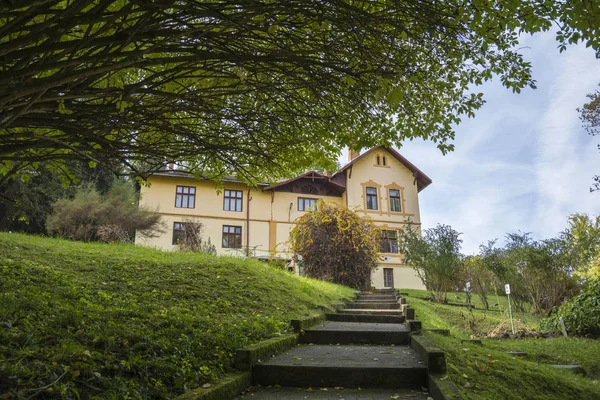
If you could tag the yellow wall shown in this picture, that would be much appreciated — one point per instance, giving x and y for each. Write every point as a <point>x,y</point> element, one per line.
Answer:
<point>365,172</point>
<point>404,277</point>
<point>272,214</point>
<point>270,222</point>
<point>394,175</point>
<point>208,209</point>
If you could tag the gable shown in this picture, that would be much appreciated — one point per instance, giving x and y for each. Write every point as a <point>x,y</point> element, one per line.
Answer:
<point>370,158</point>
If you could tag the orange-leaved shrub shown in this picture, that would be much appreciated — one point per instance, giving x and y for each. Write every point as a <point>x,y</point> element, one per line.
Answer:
<point>337,245</point>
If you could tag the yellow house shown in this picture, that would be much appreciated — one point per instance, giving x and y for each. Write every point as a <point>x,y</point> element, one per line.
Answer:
<point>239,219</point>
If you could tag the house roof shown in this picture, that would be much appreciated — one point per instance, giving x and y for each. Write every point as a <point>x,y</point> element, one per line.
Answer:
<point>422,180</point>
<point>183,174</point>
<point>312,175</point>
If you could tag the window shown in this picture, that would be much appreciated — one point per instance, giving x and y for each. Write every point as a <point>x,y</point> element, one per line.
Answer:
<point>389,242</point>
<point>378,160</point>
<point>371,198</point>
<point>308,189</point>
<point>185,197</point>
<point>232,200</point>
<point>178,231</point>
<point>388,277</point>
<point>232,237</point>
<point>395,200</point>
<point>384,161</point>
<point>305,204</point>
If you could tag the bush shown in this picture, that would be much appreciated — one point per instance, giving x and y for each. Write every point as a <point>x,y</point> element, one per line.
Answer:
<point>337,245</point>
<point>113,217</point>
<point>435,257</point>
<point>581,315</point>
<point>539,272</point>
<point>190,238</point>
<point>476,272</point>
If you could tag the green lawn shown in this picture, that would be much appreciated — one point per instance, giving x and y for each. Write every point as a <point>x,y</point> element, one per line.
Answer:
<point>120,321</point>
<point>488,372</point>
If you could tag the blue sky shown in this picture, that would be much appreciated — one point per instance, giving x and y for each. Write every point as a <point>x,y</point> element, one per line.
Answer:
<point>524,162</point>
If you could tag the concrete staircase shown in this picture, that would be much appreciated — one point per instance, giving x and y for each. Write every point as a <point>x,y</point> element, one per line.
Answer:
<point>363,350</point>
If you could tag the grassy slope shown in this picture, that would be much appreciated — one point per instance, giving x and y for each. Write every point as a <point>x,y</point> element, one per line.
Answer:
<point>488,372</point>
<point>121,321</point>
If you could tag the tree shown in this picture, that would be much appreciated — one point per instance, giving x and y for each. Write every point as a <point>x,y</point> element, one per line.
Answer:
<point>590,116</point>
<point>112,217</point>
<point>539,272</point>
<point>476,272</point>
<point>221,87</point>
<point>337,245</point>
<point>435,257</point>
<point>582,241</point>
<point>26,201</point>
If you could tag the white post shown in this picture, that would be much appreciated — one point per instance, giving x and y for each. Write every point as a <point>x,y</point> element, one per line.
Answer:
<point>512,324</point>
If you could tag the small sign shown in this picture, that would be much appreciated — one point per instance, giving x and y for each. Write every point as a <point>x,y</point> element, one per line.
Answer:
<point>507,288</point>
<point>468,285</point>
<point>387,258</point>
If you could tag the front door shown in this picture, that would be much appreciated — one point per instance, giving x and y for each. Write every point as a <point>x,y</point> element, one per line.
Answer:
<point>388,277</point>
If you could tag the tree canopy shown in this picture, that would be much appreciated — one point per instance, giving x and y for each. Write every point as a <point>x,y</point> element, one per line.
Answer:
<point>222,86</point>
<point>590,116</point>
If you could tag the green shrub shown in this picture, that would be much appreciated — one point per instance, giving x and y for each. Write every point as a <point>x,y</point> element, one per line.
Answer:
<point>581,315</point>
<point>113,217</point>
<point>435,257</point>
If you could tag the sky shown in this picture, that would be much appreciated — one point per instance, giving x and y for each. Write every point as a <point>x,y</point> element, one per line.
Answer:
<point>524,163</point>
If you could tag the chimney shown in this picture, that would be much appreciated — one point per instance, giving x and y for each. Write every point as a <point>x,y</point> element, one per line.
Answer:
<point>352,154</point>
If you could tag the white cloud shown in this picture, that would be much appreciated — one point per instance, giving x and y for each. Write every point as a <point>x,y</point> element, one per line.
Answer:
<point>524,162</point>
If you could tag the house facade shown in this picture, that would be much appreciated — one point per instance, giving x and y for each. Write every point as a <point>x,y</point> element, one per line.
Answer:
<point>242,220</point>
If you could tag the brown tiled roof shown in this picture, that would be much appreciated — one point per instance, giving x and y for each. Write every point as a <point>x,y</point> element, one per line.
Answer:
<point>314,175</point>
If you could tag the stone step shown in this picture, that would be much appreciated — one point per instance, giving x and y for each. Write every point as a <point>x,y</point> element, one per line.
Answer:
<point>346,366</point>
<point>382,319</point>
<point>357,333</point>
<point>297,393</point>
<point>384,291</point>
<point>377,297</point>
<point>368,301</point>
<point>375,305</point>
<point>369,311</point>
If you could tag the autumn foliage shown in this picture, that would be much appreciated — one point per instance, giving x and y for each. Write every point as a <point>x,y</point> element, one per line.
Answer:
<point>337,245</point>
